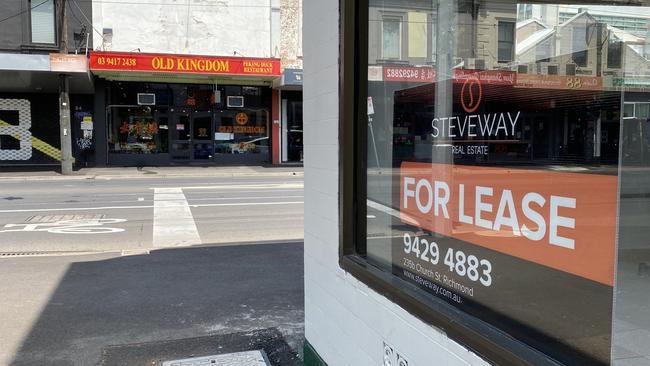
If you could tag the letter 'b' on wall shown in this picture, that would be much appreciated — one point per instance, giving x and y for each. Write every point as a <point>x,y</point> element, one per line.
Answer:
<point>19,132</point>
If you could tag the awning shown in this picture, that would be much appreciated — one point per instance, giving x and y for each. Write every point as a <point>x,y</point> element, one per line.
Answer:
<point>25,73</point>
<point>291,79</point>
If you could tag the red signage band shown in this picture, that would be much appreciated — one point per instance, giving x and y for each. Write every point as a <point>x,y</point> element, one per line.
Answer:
<point>122,61</point>
<point>565,221</point>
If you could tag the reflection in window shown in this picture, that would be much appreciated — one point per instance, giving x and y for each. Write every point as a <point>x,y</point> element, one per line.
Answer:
<point>506,41</point>
<point>579,43</point>
<point>391,38</point>
<point>614,52</point>
<point>138,130</point>
<point>514,135</point>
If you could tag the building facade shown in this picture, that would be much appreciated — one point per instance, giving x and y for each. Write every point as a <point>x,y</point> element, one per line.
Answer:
<point>30,69</point>
<point>474,184</point>
<point>192,83</point>
<point>196,83</point>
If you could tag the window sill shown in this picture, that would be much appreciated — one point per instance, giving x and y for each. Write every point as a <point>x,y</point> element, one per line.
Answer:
<point>486,341</point>
<point>38,47</point>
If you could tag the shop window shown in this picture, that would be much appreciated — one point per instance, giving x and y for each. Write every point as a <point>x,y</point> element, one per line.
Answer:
<point>478,200</point>
<point>43,26</point>
<point>138,130</point>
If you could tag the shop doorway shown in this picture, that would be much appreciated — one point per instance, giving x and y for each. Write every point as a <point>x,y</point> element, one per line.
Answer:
<point>191,136</point>
<point>291,139</point>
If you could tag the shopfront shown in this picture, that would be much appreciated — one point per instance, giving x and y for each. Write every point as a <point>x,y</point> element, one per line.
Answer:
<point>493,185</point>
<point>193,112</point>
<point>30,133</point>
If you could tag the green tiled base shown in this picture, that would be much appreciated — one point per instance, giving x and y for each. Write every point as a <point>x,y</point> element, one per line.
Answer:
<point>311,356</point>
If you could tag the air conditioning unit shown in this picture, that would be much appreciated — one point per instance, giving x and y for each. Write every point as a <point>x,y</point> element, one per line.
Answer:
<point>547,68</point>
<point>475,63</point>
<point>146,99</point>
<point>571,69</point>
<point>235,101</point>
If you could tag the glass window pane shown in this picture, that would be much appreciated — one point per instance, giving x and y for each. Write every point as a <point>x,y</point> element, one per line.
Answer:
<point>497,190</point>
<point>42,21</point>
<point>391,33</point>
<point>138,130</point>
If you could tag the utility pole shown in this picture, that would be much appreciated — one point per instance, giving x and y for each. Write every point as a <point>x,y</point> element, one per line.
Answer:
<point>64,97</point>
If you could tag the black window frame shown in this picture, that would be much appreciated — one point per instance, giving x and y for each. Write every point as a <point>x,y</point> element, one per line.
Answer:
<point>513,28</point>
<point>489,342</point>
<point>31,6</point>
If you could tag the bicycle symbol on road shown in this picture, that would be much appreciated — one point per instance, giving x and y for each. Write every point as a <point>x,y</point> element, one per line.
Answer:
<point>84,226</point>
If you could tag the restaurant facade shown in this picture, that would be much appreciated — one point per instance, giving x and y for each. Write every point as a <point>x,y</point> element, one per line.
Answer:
<point>160,109</point>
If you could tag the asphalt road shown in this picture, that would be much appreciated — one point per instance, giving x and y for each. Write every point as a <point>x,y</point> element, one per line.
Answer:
<point>94,269</point>
<point>68,310</point>
<point>139,214</point>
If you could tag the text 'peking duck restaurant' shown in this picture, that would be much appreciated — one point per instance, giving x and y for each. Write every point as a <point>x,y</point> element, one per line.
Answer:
<point>176,109</point>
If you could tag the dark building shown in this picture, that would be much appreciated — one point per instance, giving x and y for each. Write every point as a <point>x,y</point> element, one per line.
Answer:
<point>30,65</point>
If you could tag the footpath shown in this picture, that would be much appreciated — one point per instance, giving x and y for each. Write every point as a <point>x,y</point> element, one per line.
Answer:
<point>152,172</point>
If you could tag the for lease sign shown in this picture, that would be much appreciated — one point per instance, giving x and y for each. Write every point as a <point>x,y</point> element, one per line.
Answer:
<point>566,221</point>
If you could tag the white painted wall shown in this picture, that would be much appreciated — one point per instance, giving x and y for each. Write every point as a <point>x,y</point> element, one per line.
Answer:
<point>198,27</point>
<point>346,322</point>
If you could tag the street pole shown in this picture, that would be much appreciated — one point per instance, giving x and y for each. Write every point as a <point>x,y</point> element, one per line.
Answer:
<point>64,97</point>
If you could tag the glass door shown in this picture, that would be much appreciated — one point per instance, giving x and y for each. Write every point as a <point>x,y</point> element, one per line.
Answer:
<point>180,136</point>
<point>202,136</point>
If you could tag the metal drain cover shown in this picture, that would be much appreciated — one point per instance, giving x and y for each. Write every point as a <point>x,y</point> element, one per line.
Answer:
<point>249,358</point>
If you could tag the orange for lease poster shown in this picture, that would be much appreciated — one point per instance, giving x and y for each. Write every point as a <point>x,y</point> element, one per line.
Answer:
<point>565,221</point>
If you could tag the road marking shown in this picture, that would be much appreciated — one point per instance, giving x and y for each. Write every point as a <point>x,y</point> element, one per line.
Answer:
<point>173,223</point>
<point>150,206</point>
<point>78,226</point>
<point>251,186</point>
<point>385,209</point>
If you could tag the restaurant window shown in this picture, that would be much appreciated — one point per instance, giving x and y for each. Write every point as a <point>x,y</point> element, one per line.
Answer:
<point>42,21</point>
<point>516,200</point>
<point>138,130</point>
<point>391,37</point>
<point>506,41</point>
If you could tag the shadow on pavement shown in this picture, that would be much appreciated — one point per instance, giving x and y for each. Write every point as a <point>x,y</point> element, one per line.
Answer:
<point>171,296</point>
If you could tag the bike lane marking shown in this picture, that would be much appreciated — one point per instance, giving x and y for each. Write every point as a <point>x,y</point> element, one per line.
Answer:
<point>173,223</point>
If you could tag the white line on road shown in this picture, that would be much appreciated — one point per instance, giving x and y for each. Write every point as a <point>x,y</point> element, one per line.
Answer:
<point>150,206</point>
<point>251,186</point>
<point>173,223</point>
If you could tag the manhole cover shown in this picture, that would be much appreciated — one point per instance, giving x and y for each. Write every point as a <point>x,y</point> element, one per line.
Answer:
<point>249,358</point>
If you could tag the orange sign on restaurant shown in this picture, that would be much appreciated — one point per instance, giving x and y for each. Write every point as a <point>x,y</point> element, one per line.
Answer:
<point>150,62</point>
<point>559,82</point>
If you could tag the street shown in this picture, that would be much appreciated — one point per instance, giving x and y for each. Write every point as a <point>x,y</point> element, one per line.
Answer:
<point>128,214</point>
<point>135,271</point>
